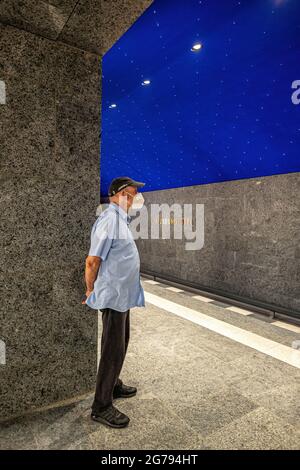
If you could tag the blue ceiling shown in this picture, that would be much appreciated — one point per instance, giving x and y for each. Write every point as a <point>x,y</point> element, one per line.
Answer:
<point>222,113</point>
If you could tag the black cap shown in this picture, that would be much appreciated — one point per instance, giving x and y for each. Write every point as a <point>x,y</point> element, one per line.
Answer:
<point>122,182</point>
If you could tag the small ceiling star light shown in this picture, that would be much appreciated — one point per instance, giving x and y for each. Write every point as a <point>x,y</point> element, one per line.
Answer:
<point>196,47</point>
<point>146,82</point>
<point>113,105</point>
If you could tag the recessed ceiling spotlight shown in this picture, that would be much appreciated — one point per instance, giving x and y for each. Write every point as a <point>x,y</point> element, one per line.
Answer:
<point>113,105</point>
<point>146,82</point>
<point>196,47</point>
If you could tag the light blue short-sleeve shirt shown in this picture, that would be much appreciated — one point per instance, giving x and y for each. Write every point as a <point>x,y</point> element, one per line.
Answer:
<point>118,285</point>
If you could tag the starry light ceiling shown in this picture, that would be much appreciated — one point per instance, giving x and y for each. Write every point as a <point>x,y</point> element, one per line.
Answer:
<point>176,115</point>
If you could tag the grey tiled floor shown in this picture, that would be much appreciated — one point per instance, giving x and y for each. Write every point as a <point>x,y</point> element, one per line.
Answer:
<point>196,390</point>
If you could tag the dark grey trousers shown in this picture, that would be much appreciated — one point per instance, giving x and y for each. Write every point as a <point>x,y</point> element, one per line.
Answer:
<point>114,342</point>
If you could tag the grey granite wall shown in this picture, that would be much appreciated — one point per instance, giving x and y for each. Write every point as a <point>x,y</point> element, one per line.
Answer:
<point>91,25</point>
<point>252,239</point>
<point>49,167</point>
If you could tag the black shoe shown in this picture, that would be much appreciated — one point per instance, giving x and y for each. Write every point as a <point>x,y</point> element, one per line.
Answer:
<point>111,417</point>
<point>124,391</point>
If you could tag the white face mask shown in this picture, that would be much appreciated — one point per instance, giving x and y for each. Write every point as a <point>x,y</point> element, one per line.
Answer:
<point>138,202</point>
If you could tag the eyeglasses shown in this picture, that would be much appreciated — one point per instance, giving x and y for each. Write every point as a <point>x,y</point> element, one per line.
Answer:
<point>131,195</point>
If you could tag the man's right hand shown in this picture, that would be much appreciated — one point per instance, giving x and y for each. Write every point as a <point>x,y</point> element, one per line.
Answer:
<point>85,297</point>
<point>92,264</point>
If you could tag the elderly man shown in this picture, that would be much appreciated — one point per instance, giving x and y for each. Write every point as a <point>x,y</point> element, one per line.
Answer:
<point>112,275</point>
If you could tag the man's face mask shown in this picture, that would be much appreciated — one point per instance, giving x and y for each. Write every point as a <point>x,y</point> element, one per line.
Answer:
<point>138,201</point>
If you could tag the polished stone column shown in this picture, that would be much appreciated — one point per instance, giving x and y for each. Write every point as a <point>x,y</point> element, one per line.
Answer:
<point>49,163</point>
